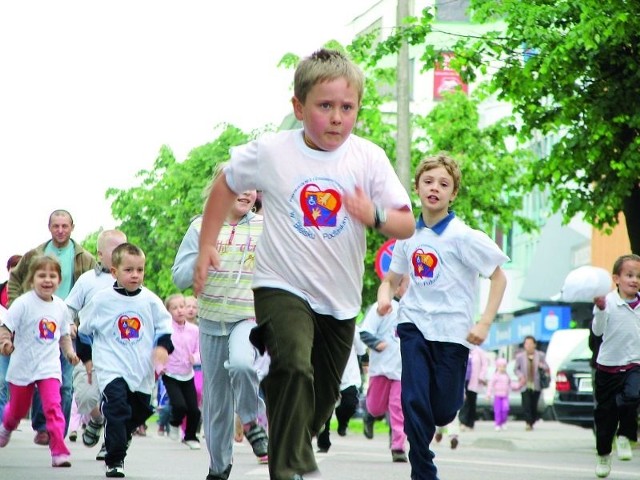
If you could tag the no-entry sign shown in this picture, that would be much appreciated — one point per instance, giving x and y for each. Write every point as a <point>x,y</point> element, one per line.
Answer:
<point>383,257</point>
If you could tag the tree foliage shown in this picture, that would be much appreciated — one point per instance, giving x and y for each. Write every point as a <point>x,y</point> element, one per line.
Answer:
<point>491,191</point>
<point>571,70</point>
<point>156,213</point>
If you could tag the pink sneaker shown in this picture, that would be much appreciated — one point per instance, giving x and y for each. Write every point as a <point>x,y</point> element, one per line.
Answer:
<point>5,436</point>
<point>60,461</point>
<point>263,460</point>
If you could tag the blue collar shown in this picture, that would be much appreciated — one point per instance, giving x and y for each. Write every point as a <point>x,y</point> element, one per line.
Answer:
<point>439,227</point>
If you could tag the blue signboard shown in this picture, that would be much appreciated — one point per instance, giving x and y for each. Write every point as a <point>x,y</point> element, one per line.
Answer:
<point>540,324</point>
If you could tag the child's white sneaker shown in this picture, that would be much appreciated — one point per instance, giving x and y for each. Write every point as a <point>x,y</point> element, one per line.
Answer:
<point>623,447</point>
<point>192,444</point>
<point>603,466</point>
<point>61,461</point>
<point>174,433</point>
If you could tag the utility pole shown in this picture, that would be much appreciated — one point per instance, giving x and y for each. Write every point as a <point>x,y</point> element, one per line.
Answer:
<point>403,141</point>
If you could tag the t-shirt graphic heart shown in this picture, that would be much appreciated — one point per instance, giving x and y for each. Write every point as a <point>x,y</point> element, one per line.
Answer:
<point>129,327</point>
<point>320,207</point>
<point>47,329</point>
<point>424,264</point>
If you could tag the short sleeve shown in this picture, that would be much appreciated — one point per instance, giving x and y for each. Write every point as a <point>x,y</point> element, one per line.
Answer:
<point>241,171</point>
<point>479,251</point>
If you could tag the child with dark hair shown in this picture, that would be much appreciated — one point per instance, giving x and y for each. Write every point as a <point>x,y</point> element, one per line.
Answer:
<point>617,370</point>
<point>4,360</point>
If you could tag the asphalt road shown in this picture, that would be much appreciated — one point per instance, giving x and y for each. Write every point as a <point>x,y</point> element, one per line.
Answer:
<point>551,451</point>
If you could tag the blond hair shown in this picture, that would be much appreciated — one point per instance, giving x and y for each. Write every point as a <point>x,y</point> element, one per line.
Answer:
<point>440,160</point>
<point>125,249</point>
<point>325,65</point>
<point>171,298</point>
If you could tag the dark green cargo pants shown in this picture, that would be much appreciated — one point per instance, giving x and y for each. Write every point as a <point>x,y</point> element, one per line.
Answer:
<point>309,353</point>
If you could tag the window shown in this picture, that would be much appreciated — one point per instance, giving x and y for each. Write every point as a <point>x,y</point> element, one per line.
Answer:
<point>452,10</point>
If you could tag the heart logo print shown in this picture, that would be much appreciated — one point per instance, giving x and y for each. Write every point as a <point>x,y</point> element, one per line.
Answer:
<point>47,329</point>
<point>424,264</point>
<point>320,207</point>
<point>129,327</point>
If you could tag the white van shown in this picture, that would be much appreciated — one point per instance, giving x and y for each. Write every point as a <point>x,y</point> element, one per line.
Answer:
<point>562,342</point>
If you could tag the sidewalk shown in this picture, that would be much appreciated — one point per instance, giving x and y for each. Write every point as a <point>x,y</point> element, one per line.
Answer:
<point>353,456</point>
<point>546,436</point>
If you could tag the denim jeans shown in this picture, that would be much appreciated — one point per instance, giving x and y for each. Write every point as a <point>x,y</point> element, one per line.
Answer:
<point>38,422</point>
<point>4,386</point>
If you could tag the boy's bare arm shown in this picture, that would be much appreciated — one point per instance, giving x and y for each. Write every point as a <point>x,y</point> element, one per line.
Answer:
<point>385,292</point>
<point>160,359</point>
<point>218,205</point>
<point>67,349</point>
<point>398,224</point>
<point>480,330</point>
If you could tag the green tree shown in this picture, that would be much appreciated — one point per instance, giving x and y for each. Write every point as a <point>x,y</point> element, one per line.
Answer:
<point>571,70</point>
<point>155,214</point>
<point>90,243</point>
<point>491,192</point>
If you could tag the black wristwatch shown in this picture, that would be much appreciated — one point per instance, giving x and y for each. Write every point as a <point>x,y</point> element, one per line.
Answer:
<point>379,216</point>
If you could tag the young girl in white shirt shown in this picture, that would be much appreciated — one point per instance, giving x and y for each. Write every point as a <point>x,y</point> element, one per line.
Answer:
<point>39,322</point>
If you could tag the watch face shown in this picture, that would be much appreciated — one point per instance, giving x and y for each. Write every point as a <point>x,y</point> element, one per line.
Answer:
<point>383,215</point>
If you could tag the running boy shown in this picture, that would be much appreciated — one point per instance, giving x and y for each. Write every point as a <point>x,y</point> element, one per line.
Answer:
<point>131,330</point>
<point>321,187</point>
<point>617,378</point>
<point>85,390</point>
<point>444,260</point>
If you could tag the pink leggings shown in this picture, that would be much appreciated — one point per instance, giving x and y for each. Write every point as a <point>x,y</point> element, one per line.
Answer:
<point>20,402</point>
<point>384,396</point>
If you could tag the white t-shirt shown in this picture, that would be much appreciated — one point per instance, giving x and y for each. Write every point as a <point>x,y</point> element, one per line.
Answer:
<point>310,246</point>
<point>351,375</point>
<point>388,362</point>
<point>86,286</point>
<point>124,331</point>
<point>38,326</point>
<point>619,326</point>
<point>444,273</point>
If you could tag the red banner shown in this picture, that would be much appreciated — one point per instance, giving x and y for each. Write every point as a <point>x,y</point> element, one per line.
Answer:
<point>445,79</point>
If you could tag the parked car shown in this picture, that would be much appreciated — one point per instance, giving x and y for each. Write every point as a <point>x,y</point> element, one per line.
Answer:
<point>573,400</point>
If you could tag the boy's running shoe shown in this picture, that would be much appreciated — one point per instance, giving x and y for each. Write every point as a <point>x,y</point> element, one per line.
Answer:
<point>603,466</point>
<point>115,471</point>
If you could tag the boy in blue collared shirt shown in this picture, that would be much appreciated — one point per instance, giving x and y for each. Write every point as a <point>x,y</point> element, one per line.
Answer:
<point>444,260</point>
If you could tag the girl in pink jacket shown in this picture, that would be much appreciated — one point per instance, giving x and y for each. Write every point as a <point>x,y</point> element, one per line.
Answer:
<point>178,374</point>
<point>499,388</point>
